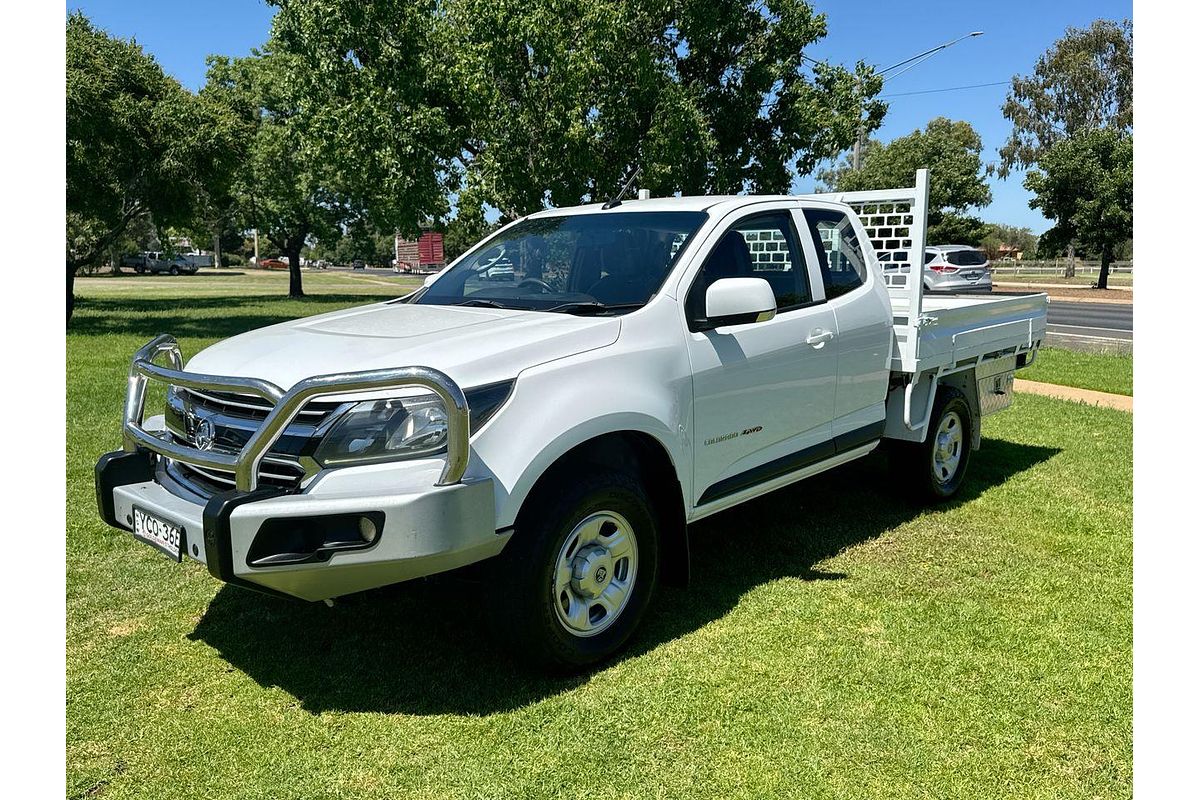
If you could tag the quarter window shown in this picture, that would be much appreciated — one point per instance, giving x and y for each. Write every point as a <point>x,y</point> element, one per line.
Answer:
<point>843,266</point>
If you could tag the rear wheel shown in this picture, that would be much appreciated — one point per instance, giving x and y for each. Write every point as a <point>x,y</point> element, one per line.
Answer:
<point>579,572</point>
<point>174,270</point>
<point>936,468</point>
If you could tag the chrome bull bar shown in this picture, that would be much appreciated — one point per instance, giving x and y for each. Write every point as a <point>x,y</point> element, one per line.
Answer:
<point>287,404</point>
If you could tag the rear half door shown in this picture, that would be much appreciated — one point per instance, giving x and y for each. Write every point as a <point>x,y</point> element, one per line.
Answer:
<point>856,295</point>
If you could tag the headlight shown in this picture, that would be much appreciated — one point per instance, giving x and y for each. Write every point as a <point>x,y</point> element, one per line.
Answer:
<point>386,430</point>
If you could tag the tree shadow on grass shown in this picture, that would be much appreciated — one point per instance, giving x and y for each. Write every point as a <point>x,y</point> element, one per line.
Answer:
<point>422,647</point>
<point>203,317</point>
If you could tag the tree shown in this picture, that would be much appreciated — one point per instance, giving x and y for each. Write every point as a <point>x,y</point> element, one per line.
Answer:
<point>518,105</point>
<point>138,143</point>
<point>1083,83</point>
<point>464,232</point>
<point>288,187</point>
<point>1085,184</point>
<point>950,150</point>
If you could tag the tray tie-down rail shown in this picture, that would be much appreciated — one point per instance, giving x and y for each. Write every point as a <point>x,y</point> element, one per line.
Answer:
<point>287,404</point>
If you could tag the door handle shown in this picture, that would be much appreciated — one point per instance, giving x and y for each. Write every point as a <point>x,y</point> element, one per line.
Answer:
<point>817,337</point>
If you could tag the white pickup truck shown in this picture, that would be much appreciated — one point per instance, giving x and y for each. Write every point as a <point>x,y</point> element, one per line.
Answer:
<point>633,368</point>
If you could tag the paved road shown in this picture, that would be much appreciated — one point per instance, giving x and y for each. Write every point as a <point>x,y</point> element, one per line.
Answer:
<point>375,272</point>
<point>1087,327</point>
<point>1096,320</point>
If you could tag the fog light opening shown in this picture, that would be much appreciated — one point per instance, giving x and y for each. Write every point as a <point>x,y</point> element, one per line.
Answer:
<point>303,540</point>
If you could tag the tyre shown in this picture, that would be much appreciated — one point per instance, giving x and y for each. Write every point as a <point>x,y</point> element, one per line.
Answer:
<point>141,270</point>
<point>935,469</point>
<point>579,572</point>
<point>174,270</point>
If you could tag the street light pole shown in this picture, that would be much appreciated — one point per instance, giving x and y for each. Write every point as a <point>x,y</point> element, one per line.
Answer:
<point>860,140</point>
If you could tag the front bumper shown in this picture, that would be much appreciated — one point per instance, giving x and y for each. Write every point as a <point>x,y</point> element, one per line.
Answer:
<point>302,544</point>
<point>425,530</point>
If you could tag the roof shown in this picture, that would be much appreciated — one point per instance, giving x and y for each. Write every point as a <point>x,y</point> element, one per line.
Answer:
<point>689,203</point>
<point>949,248</point>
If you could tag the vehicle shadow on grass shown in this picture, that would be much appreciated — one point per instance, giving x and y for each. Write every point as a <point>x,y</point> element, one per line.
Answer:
<point>227,316</point>
<point>423,647</point>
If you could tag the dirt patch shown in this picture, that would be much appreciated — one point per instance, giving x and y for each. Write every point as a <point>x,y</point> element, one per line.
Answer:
<point>1072,294</point>
<point>126,628</point>
<point>1089,397</point>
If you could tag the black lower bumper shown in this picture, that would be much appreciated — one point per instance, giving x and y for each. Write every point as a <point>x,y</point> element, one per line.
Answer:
<point>122,468</point>
<point>119,468</point>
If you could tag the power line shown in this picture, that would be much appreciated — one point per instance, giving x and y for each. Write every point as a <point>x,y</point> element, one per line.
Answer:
<point>928,52</point>
<point>947,89</point>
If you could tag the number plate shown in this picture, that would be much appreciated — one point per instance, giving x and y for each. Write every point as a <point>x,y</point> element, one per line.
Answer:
<point>166,537</point>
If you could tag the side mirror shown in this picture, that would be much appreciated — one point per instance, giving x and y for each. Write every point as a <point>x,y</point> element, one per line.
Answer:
<point>738,301</point>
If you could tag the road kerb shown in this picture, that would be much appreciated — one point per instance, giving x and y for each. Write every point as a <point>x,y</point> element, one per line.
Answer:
<point>1120,402</point>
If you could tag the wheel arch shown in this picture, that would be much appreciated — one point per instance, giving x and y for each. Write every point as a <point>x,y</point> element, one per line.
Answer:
<point>964,381</point>
<point>655,468</point>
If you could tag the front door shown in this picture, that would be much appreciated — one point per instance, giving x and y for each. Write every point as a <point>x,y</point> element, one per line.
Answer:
<point>764,392</point>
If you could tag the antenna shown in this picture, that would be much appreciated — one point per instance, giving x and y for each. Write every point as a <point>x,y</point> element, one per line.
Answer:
<point>613,202</point>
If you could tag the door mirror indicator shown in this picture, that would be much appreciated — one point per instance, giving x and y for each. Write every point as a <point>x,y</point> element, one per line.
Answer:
<point>738,301</point>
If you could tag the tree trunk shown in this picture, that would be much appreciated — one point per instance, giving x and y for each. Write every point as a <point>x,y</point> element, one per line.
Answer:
<point>70,290</point>
<point>295,287</point>
<point>1105,260</point>
<point>1070,272</point>
<point>217,250</point>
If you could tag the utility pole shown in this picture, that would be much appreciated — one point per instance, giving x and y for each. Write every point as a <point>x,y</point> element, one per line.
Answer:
<point>908,63</point>
<point>256,247</point>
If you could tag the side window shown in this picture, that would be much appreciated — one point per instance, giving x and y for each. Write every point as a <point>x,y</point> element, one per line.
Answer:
<point>762,246</point>
<point>930,256</point>
<point>843,265</point>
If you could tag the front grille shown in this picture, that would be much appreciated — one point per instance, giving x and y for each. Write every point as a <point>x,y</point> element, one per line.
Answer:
<point>235,418</point>
<point>252,407</point>
<point>276,474</point>
<point>279,472</point>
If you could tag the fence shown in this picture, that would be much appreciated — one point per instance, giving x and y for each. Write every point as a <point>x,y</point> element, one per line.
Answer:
<point>1059,267</point>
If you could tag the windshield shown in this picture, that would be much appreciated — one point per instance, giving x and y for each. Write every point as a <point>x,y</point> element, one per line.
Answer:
<point>584,263</point>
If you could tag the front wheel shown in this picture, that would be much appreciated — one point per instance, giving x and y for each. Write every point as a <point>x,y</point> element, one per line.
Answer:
<point>936,468</point>
<point>579,572</point>
<point>174,270</point>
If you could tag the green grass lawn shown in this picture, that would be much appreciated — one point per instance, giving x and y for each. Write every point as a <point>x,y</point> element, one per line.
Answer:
<point>1101,372</point>
<point>835,642</point>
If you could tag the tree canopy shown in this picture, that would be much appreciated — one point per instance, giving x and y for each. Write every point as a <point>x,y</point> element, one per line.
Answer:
<point>950,150</point>
<point>1084,82</point>
<point>138,144</point>
<point>289,186</point>
<point>519,105</point>
<point>1085,184</point>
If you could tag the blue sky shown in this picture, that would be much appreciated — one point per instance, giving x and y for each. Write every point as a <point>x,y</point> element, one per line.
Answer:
<point>181,34</point>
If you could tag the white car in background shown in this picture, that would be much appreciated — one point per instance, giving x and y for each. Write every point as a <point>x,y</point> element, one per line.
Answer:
<point>957,268</point>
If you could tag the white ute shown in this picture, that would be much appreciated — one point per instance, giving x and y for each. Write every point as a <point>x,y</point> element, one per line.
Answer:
<point>562,401</point>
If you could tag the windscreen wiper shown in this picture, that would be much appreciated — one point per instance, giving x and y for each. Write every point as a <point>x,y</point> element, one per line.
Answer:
<point>481,301</point>
<point>591,307</point>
